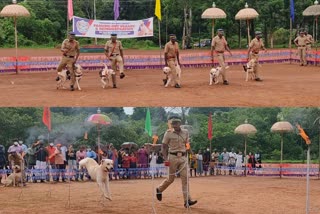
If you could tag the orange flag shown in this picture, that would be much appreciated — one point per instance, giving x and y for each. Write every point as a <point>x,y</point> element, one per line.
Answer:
<point>155,139</point>
<point>304,135</point>
<point>46,117</point>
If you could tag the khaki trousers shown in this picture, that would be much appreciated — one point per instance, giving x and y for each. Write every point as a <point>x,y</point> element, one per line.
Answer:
<point>114,61</point>
<point>302,55</point>
<point>256,70</point>
<point>69,62</point>
<point>177,164</point>
<point>222,63</point>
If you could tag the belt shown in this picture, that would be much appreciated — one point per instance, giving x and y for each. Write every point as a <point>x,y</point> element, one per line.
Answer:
<point>301,46</point>
<point>176,153</point>
<point>308,43</point>
<point>255,52</point>
<point>68,56</point>
<point>115,54</point>
<point>220,51</point>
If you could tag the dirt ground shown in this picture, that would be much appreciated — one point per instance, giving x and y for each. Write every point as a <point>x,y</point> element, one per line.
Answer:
<point>283,85</point>
<point>215,195</point>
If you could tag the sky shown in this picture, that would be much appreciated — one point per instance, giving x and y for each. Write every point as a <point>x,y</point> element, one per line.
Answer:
<point>128,110</point>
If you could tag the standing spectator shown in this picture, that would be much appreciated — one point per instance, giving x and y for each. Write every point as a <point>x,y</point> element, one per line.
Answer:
<point>142,158</point>
<point>251,162</point>
<point>257,157</point>
<point>81,154</point>
<point>126,164</point>
<point>133,164</point>
<point>220,163</point>
<point>215,160</point>
<point>3,161</point>
<point>64,150</point>
<point>72,163</point>
<point>239,163</point>
<point>153,163</point>
<point>115,161</point>
<point>59,162</point>
<point>232,162</point>
<point>206,161</point>
<point>41,162</point>
<point>24,147</point>
<point>225,161</point>
<point>31,155</point>
<point>193,164</point>
<point>91,153</point>
<point>199,163</point>
<point>160,164</point>
<point>51,157</point>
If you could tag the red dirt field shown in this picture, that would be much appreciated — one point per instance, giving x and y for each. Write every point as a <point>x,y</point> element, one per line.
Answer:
<point>215,195</point>
<point>284,85</point>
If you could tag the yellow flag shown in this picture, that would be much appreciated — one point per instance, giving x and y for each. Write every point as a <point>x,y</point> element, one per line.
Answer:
<point>157,10</point>
<point>304,135</point>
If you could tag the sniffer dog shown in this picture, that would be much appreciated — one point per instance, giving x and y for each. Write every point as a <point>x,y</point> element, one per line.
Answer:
<point>248,68</point>
<point>14,178</point>
<point>65,75</point>
<point>215,75</point>
<point>99,173</point>
<point>106,75</point>
<point>166,70</point>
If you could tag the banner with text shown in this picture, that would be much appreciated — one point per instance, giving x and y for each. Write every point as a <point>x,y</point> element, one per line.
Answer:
<point>103,29</point>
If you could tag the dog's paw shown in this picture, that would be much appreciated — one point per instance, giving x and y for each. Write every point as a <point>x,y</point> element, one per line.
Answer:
<point>57,78</point>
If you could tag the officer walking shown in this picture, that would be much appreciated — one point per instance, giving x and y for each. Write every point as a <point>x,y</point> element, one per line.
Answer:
<point>301,42</point>
<point>114,52</point>
<point>70,52</point>
<point>219,44</point>
<point>174,152</point>
<point>171,56</point>
<point>253,53</point>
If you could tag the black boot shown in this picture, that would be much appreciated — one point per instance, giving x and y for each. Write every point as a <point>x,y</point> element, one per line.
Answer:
<point>190,203</point>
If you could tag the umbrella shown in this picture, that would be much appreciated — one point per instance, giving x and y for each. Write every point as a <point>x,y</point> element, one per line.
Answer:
<point>15,10</point>
<point>313,10</point>
<point>213,13</point>
<point>129,145</point>
<point>247,14</point>
<point>281,127</point>
<point>99,119</point>
<point>245,129</point>
<point>153,147</point>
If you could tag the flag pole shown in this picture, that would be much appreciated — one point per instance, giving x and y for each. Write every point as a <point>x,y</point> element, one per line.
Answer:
<point>290,40</point>
<point>308,179</point>
<point>159,26</point>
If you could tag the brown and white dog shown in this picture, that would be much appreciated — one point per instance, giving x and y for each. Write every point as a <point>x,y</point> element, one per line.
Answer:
<point>106,75</point>
<point>215,75</point>
<point>99,173</point>
<point>14,178</point>
<point>248,68</point>
<point>166,70</point>
<point>64,75</point>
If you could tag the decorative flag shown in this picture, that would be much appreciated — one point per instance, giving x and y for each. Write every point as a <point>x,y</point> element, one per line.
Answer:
<point>157,10</point>
<point>116,6</point>
<point>70,9</point>
<point>292,10</point>
<point>304,135</point>
<point>46,117</point>
<point>147,126</point>
<point>210,127</point>
<point>155,139</point>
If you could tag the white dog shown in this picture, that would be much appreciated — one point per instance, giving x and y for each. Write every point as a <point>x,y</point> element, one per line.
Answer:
<point>14,178</point>
<point>65,74</point>
<point>99,173</point>
<point>215,75</point>
<point>106,75</point>
<point>166,70</point>
<point>248,68</point>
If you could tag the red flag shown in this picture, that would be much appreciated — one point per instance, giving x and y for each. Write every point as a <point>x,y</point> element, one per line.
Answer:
<point>46,117</point>
<point>303,134</point>
<point>70,9</point>
<point>210,127</point>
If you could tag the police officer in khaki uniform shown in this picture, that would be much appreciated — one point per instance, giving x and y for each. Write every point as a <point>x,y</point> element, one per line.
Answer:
<point>70,52</point>
<point>174,152</point>
<point>301,42</point>
<point>309,44</point>
<point>114,52</point>
<point>171,56</point>
<point>219,44</point>
<point>253,53</point>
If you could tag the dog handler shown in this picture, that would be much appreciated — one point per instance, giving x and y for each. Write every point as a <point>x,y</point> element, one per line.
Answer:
<point>174,151</point>
<point>171,55</point>
<point>114,52</point>
<point>253,53</point>
<point>219,44</point>
<point>70,52</point>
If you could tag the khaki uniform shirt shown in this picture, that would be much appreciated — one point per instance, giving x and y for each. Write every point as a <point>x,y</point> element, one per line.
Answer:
<point>113,48</point>
<point>310,38</point>
<point>256,45</point>
<point>219,44</point>
<point>72,47</point>
<point>302,40</point>
<point>176,141</point>
<point>171,49</point>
